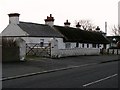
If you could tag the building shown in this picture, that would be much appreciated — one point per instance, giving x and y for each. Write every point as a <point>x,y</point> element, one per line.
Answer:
<point>67,37</point>
<point>114,41</point>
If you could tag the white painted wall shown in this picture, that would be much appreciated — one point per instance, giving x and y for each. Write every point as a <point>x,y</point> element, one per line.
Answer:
<point>13,30</point>
<point>55,52</point>
<point>108,46</point>
<point>35,39</point>
<point>73,45</point>
<point>80,45</point>
<point>90,45</point>
<point>85,45</point>
<point>46,40</point>
<point>61,44</point>
<point>76,52</point>
<point>22,47</point>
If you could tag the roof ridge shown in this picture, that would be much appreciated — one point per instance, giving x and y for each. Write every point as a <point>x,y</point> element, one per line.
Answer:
<point>67,27</point>
<point>33,23</point>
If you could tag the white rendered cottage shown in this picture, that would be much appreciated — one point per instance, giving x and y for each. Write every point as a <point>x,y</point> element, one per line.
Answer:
<point>30,32</point>
<point>66,37</point>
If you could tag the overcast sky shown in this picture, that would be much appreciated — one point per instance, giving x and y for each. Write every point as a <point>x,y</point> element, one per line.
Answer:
<point>98,11</point>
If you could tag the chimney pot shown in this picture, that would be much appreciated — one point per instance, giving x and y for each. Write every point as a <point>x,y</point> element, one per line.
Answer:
<point>50,15</point>
<point>97,28</point>
<point>67,23</point>
<point>13,14</point>
<point>78,25</point>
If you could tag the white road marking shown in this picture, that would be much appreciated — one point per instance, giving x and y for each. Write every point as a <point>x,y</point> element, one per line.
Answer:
<point>35,73</point>
<point>99,80</point>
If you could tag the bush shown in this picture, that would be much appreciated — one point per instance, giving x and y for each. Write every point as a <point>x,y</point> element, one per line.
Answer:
<point>10,54</point>
<point>9,43</point>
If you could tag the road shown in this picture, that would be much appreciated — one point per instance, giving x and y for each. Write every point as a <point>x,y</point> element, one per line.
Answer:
<point>103,75</point>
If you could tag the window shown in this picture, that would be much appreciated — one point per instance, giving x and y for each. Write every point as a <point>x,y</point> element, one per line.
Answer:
<point>83,45</point>
<point>77,44</point>
<point>41,42</point>
<point>98,45</point>
<point>87,45</point>
<point>67,45</point>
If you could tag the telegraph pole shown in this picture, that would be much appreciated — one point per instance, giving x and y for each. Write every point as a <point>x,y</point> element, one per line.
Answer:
<point>106,28</point>
<point>119,13</point>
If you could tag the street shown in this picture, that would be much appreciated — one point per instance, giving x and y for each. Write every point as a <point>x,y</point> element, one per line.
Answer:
<point>104,75</point>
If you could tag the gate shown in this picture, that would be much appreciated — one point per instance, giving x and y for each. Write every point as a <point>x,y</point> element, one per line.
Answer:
<point>38,50</point>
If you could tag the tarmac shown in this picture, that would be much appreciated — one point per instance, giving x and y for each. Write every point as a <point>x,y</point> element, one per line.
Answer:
<point>40,65</point>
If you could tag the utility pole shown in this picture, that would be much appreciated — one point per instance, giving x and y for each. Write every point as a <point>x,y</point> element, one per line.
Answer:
<point>119,13</point>
<point>106,28</point>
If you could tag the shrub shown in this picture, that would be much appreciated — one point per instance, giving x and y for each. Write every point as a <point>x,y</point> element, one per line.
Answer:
<point>9,43</point>
<point>10,50</point>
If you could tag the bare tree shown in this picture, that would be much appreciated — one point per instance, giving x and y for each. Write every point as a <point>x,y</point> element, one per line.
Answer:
<point>86,24</point>
<point>116,30</point>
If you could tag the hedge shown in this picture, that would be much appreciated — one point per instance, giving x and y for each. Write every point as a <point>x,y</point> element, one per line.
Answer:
<point>10,50</point>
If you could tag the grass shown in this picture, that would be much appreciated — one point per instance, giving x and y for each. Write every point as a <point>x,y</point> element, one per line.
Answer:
<point>33,57</point>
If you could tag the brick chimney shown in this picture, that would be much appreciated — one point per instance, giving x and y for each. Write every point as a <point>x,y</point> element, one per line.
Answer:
<point>78,25</point>
<point>67,24</point>
<point>50,20</point>
<point>13,18</point>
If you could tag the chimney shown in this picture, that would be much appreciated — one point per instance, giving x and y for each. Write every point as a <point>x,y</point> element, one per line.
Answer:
<point>78,25</point>
<point>50,20</point>
<point>97,29</point>
<point>13,18</point>
<point>67,24</point>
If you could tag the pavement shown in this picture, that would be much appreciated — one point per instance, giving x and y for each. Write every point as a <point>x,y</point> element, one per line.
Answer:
<point>44,65</point>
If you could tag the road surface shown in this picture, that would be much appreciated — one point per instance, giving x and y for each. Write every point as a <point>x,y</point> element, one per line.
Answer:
<point>103,75</point>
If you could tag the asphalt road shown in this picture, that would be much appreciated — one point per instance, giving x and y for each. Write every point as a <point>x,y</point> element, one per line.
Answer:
<point>103,75</point>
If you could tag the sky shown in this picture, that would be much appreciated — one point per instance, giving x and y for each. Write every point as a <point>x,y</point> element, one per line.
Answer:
<point>98,11</point>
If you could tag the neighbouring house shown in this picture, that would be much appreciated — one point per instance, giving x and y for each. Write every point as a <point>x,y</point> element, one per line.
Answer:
<point>114,46</point>
<point>114,41</point>
<point>61,38</point>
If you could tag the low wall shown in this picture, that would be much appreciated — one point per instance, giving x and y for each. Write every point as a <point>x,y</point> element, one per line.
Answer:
<point>75,52</point>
